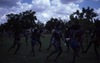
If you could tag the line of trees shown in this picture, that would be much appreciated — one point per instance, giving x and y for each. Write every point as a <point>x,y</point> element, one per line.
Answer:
<point>26,20</point>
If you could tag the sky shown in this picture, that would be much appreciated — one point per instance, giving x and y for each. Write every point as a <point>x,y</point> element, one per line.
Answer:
<point>45,9</point>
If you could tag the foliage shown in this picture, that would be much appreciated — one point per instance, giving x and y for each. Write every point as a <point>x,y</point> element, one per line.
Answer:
<point>21,21</point>
<point>52,23</point>
<point>26,20</point>
<point>84,18</point>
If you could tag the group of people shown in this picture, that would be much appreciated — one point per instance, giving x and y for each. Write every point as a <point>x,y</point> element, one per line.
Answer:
<point>35,39</point>
<point>72,37</point>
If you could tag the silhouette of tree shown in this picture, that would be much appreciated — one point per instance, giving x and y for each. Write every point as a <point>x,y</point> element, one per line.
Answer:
<point>21,21</point>
<point>84,18</point>
<point>28,19</point>
<point>52,23</point>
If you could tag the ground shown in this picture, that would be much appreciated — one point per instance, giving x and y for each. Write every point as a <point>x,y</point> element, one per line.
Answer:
<point>24,55</point>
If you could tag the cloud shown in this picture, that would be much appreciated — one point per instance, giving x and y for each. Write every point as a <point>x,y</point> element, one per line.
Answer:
<point>3,19</point>
<point>40,5</point>
<point>14,9</point>
<point>56,9</point>
<point>45,9</point>
<point>67,9</point>
<point>98,12</point>
<point>70,1</point>
<point>8,3</point>
<point>3,12</point>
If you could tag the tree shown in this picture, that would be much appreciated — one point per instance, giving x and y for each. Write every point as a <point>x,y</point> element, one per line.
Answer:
<point>21,21</point>
<point>39,25</point>
<point>84,18</point>
<point>28,19</point>
<point>52,23</point>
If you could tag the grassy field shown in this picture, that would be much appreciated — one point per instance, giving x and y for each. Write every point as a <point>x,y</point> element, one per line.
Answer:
<point>24,55</point>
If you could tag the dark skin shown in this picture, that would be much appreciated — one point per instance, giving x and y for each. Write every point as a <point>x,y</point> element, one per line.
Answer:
<point>49,45</point>
<point>34,40</point>
<point>76,50</point>
<point>67,35</point>
<point>61,37</point>
<point>96,41</point>
<point>26,37</point>
<point>1,36</point>
<point>79,39</point>
<point>75,40</point>
<point>16,42</point>
<point>39,41</point>
<point>96,46</point>
<point>57,48</point>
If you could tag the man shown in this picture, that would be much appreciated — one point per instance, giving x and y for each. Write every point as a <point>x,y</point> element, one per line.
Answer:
<point>56,42</point>
<point>16,42</point>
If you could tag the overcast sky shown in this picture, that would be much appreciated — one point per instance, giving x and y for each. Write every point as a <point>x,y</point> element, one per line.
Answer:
<point>45,9</point>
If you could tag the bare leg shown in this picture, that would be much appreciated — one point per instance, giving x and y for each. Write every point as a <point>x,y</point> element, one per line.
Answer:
<point>26,40</point>
<point>67,45</point>
<point>40,45</point>
<point>49,47</point>
<point>75,54</point>
<point>96,51</point>
<point>90,43</point>
<point>1,39</point>
<point>81,45</point>
<point>74,57</point>
<point>55,51</point>
<point>33,45</point>
<point>18,46</point>
<point>60,51</point>
<point>12,46</point>
<point>33,51</point>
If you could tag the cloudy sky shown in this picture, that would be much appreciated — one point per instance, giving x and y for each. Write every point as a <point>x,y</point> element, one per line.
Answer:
<point>45,9</point>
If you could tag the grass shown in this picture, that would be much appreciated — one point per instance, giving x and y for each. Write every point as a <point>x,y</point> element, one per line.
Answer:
<point>24,55</point>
